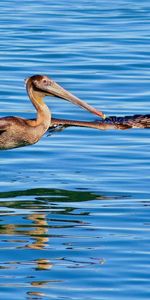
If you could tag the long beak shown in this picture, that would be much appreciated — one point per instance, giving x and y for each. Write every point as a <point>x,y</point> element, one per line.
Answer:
<point>56,90</point>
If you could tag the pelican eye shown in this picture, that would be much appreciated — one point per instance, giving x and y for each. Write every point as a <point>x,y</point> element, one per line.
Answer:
<point>45,81</point>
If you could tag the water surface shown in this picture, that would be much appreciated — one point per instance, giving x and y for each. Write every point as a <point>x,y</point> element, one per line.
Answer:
<point>75,206</point>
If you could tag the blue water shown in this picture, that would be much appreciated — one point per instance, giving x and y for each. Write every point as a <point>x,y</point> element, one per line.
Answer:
<point>75,206</point>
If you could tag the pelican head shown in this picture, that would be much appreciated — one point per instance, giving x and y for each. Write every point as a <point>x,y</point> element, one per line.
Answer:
<point>45,86</point>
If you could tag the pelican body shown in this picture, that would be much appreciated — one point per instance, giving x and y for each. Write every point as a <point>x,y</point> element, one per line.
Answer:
<point>18,132</point>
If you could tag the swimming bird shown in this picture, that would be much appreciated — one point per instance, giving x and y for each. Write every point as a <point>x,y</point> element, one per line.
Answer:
<point>18,132</point>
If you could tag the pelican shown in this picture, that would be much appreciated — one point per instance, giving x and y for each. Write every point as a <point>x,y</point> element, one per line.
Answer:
<point>18,132</point>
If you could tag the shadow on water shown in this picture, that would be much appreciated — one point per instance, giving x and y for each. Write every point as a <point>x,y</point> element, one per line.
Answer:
<point>38,206</point>
<point>53,195</point>
<point>43,219</point>
<point>50,237</point>
<point>33,212</point>
<point>45,199</point>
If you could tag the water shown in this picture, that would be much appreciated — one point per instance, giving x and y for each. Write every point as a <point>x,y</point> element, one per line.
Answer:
<point>75,206</point>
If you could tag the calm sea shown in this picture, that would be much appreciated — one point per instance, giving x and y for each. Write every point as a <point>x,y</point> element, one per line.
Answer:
<point>75,207</point>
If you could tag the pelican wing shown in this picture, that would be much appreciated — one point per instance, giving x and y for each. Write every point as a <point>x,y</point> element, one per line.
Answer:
<point>5,123</point>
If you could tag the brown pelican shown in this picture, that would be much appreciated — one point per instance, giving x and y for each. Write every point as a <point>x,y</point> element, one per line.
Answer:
<point>18,132</point>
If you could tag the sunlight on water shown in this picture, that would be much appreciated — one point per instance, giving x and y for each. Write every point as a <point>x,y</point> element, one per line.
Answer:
<point>75,206</point>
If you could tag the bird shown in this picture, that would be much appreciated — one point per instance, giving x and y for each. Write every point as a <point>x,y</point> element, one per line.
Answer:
<point>18,132</point>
